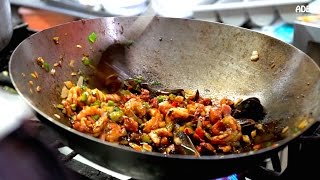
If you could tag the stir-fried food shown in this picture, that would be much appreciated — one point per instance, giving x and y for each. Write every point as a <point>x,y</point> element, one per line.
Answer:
<point>171,122</point>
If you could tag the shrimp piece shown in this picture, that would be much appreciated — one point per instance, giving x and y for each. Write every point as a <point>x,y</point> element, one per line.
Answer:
<point>231,122</point>
<point>136,107</point>
<point>225,149</point>
<point>112,97</point>
<point>130,124</point>
<point>226,110</point>
<point>177,113</point>
<point>226,130</point>
<point>105,97</point>
<point>67,107</point>
<point>100,124</point>
<point>226,101</point>
<point>215,115</point>
<point>164,107</point>
<point>89,111</point>
<point>73,95</point>
<point>113,132</point>
<point>153,123</point>
<point>85,123</point>
<point>145,95</point>
<point>155,135</point>
<point>192,108</point>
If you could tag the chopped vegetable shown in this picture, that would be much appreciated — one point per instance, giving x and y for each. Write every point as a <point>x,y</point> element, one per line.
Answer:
<point>73,107</point>
<point>60,106</point>
<point>71,63</point>
<point>147,147</point>
<point>115,116</point>
<point>46,66</point>
<point>96,103</point>
<point>92,37</point>
<point>55,40</point>
<point>96,117</point>
<point>38,88</point>
<point>68,84</point>
<point>80,81</point>
<point>128,43</point>
<point>53,72</point>
<point>84,97</point>
<point>111,103</point>
<point>146,138</point>
<point>162,98</point>
<point>254,56</point>
<point>85,60</point>
<point>79,46</point>
<point>57,116</point>
<point>246,139</point>
<point>35,75</point>
<point>303,124</point>
<point>64,92</point>
<point>156,83</point>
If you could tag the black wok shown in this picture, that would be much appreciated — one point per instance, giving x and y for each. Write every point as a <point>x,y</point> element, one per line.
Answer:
<point>211,57</point>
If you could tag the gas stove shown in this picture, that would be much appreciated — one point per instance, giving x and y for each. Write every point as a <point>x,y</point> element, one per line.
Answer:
<point>35,151</point>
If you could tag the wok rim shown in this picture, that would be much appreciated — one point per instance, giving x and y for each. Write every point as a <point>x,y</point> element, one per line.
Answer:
<point>280,144</point>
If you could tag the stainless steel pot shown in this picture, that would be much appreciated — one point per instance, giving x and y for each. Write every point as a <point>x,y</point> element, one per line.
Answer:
<point>5,23</point>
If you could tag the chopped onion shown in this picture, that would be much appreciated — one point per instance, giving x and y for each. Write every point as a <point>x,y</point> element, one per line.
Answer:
<point>80,81</point>
<point>64,92</point>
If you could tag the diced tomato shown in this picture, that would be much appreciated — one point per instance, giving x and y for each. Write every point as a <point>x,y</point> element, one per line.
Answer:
<point>188,131</point>
<point>205,123</point>
<point>200,132</point>
<point>174,104</point>
<point>226,110</point>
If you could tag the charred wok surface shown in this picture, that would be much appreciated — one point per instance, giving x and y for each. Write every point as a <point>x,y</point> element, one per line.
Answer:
<point>168,121</point>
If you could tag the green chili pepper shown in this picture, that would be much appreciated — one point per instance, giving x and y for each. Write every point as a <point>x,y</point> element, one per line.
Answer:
<point>96,117</point>
<point>115,115</point>
<point>156,83</point>
<point>111,103</point>
<point>208,136</point>
<point>92,37</point>
<point>84,97</point>
<point>96,103</point>
<point>146,138</point>
<point>46,66</point>
<point>161,98</point>
<point>85,60</point>
<point>60,106</point>
<point>73,107</point>
<point>146,104</point>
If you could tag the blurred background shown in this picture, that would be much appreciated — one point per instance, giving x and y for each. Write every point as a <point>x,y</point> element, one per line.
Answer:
<point>275,18</point>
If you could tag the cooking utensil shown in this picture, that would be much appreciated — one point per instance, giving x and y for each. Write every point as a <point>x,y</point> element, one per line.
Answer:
<point>109,69</point>
<point>179,53</point>
<point>6,25</point>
